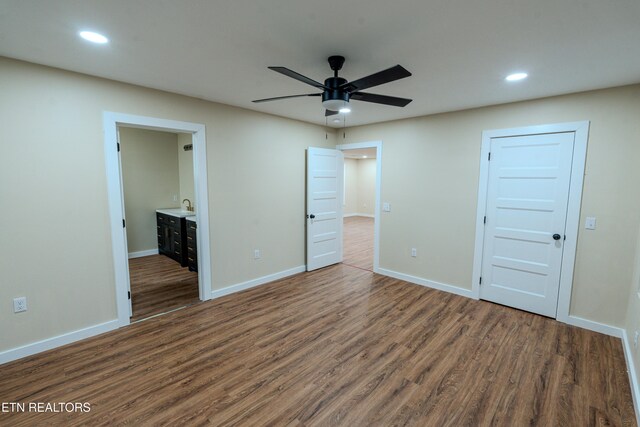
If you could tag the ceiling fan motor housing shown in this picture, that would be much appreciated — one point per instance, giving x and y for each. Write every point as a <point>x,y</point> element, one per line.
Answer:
<point>334,93</point>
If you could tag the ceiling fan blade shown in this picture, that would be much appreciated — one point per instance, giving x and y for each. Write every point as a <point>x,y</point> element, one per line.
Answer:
<point>390,74</point>
<point>328,113</point>
<point>380,99</point>
<point>290,73</point>
<point>285,97</point>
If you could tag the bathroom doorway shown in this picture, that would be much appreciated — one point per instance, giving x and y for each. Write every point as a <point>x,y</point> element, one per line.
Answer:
<point>168,213</point>
<point>159,204</point>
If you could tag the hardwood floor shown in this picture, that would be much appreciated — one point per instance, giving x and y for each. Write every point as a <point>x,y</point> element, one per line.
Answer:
<point>159,284</point>
<point>337,346</point>
<point>358,242</point>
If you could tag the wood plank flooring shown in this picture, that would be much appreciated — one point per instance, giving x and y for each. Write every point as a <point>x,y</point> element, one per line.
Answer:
<point>159,284</point>
<point>337,346</point>
<point>358,242</point>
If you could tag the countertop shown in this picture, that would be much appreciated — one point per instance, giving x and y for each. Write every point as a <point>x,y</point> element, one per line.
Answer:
<point>178,213</point>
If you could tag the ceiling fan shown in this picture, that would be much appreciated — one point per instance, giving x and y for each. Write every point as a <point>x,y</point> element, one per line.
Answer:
<point>337,91</point>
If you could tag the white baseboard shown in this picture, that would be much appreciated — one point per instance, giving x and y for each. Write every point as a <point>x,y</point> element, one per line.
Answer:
<point>358,214</point>
<point>140,254</point>
<point>217,293</point>
<point>595,326</point>
<point>427,283</point>
<point>58,341</point>
<point>633,377</point>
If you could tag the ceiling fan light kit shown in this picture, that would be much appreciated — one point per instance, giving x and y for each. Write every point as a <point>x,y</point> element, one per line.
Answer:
<point>337,92</point>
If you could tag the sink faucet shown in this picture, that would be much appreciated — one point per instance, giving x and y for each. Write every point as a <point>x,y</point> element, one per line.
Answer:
<point>189,207</point>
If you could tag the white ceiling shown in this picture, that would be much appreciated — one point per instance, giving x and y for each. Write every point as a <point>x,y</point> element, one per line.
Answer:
<point>459,51</point>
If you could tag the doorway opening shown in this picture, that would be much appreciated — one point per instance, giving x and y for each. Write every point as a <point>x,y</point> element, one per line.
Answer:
<point>160,245</point>
<point>361,204</point>
<point>160,207</point>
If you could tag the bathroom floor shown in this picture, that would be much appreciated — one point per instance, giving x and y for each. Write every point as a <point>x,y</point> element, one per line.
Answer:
<point>159,284</point>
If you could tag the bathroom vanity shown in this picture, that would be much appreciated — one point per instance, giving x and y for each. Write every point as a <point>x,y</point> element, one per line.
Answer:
<point>172,234</point>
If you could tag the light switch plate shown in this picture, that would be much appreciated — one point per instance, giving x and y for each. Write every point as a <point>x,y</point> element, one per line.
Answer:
<point>590,223</point>
<point>386,206</point>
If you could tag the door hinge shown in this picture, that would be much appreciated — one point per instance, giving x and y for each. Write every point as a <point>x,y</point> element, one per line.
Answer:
<point>128,294</point>
<point>485,219</point>
<point>118,145</point>
<point>123,223</point>
<point>480,280</point>
<point>489,156</point>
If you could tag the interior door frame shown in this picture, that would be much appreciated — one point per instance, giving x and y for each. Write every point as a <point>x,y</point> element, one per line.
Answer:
<point>581,132</point>
<point>376,212</point>
<point>111,122</point>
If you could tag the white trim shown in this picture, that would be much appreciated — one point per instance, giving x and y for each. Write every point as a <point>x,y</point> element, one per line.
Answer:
<point>141,254</point>
<point>581,131</point>
<point>595,326</point>
<point>358,214</point>
<point>257,282</point>
<point>111,121</point>
<point>57,341</point>
<point>376,223</point>
<point>427,283</point>
<point>633,377</point>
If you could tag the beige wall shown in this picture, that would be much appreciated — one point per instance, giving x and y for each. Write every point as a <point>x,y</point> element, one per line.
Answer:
<point>185,164</point>
<point>366,186</point>
<point>256,171</point>
<point>360,186</point>
<point>150,181</point>
<point>430,176</point>
<point>350,186</point>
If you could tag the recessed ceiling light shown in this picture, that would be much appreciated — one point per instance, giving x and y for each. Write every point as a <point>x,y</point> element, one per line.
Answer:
<point>516,76</point>
<point>336,120</point>
<point>345,110</point>
<point>364,157</point>
<point>94,37</point>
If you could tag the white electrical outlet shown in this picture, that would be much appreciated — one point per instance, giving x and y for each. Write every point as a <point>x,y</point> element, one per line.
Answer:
<point>386,206</point>
<point>256,254</point>
<point>414,252</point>
<point>19,304</point>
<point>175,197</point>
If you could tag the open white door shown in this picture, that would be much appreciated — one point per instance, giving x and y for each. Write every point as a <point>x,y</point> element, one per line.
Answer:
<point>324,207</point>
<point>124,226</point>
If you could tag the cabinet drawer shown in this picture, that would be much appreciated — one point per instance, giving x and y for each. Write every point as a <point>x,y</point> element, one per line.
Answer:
<point>192,263</point>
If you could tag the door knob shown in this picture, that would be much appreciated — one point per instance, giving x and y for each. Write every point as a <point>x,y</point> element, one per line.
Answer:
<point>312,216</point>
<point>556,236</point>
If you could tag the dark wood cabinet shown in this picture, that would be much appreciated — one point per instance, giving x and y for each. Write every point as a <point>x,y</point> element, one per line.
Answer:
<point>192,246</point>
<point>172,237</point>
